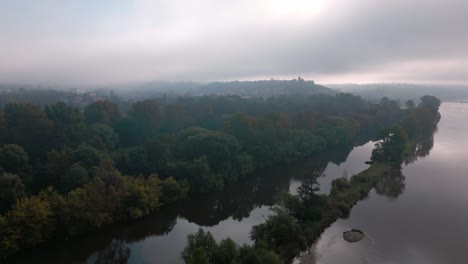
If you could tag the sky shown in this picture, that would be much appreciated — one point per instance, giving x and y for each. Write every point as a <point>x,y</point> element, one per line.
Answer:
<point>329,41</point>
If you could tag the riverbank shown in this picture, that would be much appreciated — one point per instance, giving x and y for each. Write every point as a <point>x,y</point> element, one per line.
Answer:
<point>344,195</point>
<point>302,218</point>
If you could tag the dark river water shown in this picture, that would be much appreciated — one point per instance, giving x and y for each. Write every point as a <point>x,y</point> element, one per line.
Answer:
<point>422,218</point>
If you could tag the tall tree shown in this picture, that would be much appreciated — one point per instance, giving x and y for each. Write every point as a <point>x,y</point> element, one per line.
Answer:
<point>105,112</point>
<point>11,189</point>
<point>27,125</point>
<point>68,123</point>
<point>13,159</point>
<point>147,118</point>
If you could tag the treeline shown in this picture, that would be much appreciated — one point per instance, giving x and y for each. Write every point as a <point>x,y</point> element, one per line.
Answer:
<point>301,218</point>
<point>264,88</point>
<point>65,171</point>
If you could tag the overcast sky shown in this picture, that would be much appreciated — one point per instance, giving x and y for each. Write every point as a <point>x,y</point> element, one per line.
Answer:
<point>330,41</point>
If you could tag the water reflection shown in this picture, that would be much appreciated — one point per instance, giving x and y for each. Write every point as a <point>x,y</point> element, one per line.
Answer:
<point>391,185</point>
<point>118,252</point>
<point>354,163</point>
<point>160,238</point>
<point>414,225</point>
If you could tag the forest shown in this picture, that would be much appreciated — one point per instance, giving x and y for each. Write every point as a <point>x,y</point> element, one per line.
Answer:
<point>299,219</point>
<point>68,170</point>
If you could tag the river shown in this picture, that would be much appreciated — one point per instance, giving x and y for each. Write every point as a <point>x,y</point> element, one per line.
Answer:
<point>419,219</point>
<point>424,220</point>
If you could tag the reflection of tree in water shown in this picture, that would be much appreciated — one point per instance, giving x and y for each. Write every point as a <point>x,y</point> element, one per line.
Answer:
<point>339,155</point>
<point>117,252</point>
<point>422,147</point>
<point>237,202</point>
<point>391,185</point>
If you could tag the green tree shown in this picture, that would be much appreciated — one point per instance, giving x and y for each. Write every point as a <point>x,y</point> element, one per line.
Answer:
<point>102,136</point>
<point>217,147</point>
<point>410,104</point>
<point>77,176</point>
<point>87,156</point>
<point>197,173</point>
<point>68,122</point>
<point>11,189</point>
<point>14,159</point>
<point>281,234</point>
<point>430,102</point>
<point>173,190</point>
<point>105,112</point>
<point>146,115</point>
<point>198,256</point>
<point>226,252</point>
<point>134,161</point>
<point>174,117</point>
<point>31,221</point>
<point>197,241</point>
<point>142,196</point>
<point>392,147</point>
<point>29,127</point>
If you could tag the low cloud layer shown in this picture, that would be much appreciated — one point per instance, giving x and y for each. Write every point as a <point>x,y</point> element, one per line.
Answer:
<point>112,41</point>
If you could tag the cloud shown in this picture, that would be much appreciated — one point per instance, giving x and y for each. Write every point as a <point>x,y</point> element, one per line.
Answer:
<point>334,40</point>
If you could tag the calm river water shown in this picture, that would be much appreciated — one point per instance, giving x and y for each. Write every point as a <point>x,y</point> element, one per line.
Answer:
<point>425,221</point>
<point>420,219</point>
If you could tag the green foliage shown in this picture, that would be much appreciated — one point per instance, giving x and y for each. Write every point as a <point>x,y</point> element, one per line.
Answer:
<point>133,161</point>
<point>13,159</point>
<point>226,252</point>
<point>11,189</point>
<point>198,256</point>
<point>77,176</point>
<point>430,102</point>
<point>29,223</point>
<point>281,234</point>
<point>174,116</point>
<point>68,122</point>
<point>200,246</point>
<point>173,190</point>
<point>146,117</point>
<point>257,255</point>
<point>217,147</point>
<point>392,147</point>
<point>198,174</point>
<point>301,218</point>
<point>245,163</point>
<point>102,136</point>
<point>88,156</point>
<point>29,127</point>
<point>104,112</point>
<point>142,196</point>
<point>197,145</point>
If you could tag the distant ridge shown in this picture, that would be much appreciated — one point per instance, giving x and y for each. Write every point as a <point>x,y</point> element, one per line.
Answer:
<point>153,89</point>
<point>405,91</point>
<point>264,88</point>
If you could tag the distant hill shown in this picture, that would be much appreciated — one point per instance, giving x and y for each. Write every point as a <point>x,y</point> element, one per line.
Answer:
<point>261,88</point>
<point>39,95</point>
<point>43,95</point>
<point>403,92</point>
<point>264,88</point>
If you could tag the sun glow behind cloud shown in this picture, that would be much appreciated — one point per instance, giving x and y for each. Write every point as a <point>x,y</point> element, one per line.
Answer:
<point>204,40</point>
